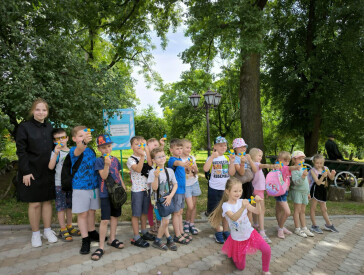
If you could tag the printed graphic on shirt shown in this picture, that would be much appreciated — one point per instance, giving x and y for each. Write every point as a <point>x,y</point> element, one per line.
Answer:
<point>86,177</point>
<point>221,169</point>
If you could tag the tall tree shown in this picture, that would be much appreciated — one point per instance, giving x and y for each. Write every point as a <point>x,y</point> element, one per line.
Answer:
<point>314,68</point>
<point>188,122</point>
<point>78,55</point>
<point>231,30</point>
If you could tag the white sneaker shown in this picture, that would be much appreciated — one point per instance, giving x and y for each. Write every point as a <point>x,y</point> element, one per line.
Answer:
<point>51,236</point>
<point>307,232</point>
<point>36,241</point>
<point>300,233</point>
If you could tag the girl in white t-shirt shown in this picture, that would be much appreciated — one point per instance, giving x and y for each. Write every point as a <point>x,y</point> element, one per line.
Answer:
<point>243,238</point>
<point>259,187</point>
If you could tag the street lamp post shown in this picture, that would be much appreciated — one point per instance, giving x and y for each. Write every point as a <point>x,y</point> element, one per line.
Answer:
<point>212,100</point>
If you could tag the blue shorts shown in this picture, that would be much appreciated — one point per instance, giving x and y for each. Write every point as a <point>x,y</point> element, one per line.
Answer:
<point>139,203</point>
<point>213,198</point>
<point>108,210</point>
<point>63,199</point>
<point>193,190</point>
<point>283,197</point>
<point>179,202</point>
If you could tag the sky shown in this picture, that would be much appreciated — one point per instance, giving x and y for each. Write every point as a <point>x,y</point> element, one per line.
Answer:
<point>167,64</point>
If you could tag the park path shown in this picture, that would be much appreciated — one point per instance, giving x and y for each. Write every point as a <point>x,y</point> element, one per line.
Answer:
<point>328,253</point>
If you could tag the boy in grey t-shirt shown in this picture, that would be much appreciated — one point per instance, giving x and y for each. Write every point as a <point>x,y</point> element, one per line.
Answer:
<point>159,180</point>
<point>63,199</point>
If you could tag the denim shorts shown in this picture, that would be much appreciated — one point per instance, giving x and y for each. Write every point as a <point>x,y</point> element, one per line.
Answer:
<point>63,199</point>
<point>283,197</point>
<point>179,202</point>
<point>108,210</point>
<point>193,190</point>
<point>140,203</point>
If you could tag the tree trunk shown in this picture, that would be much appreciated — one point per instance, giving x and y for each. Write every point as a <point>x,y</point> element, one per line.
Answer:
<point>250,109</point>
<point>312,137</point>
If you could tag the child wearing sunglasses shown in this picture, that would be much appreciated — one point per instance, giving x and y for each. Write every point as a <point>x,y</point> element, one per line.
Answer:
<point>63,199</point>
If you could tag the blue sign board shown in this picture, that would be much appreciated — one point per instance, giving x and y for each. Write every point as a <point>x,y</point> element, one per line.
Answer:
<point>121,128</point>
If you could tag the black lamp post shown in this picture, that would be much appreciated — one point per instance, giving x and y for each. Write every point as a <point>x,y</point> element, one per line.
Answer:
<point>212,100</point>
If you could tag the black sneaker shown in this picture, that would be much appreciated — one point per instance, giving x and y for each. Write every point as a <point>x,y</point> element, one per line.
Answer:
<point>94,236</point>
<point>85,247</point>
<point>140,243</point>
<point>148,237</point>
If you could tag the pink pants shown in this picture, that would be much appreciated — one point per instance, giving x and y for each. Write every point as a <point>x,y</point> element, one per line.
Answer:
<point>266,252</point>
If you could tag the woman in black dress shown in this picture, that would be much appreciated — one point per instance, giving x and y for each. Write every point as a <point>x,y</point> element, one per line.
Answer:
<point>34,145</point>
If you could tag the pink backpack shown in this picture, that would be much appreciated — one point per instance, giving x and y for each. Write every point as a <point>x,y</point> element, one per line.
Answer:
<point>275,185</point>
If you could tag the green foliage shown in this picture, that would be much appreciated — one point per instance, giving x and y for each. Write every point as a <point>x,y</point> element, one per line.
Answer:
<point>186,122</point>
<point>313,68</point>
<point>149,125</point>
<point>228,29</point>
<point>77,55</point>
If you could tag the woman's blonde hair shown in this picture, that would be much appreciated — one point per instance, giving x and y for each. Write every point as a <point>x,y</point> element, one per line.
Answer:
<point>215,217</point>
<point>35,103</point>
<point>254,152</point>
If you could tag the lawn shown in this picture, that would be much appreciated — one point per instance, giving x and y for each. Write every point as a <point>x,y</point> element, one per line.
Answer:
<point>13,212</point>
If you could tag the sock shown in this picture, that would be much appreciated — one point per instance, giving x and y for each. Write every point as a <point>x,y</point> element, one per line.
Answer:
<point>169,239</point>
<point>262,232</point>
<point>47,229</point>
<point>298,228</point>
<point>280,228</point>
<point>69,226</point>
<point>136,237</point>
<point>192,223</point>
<point>36,233</point>
<point>157,240</point>
<point>187,222</point>
<point>63,228</point>
<point>304,228</point>
<point>144,231</point>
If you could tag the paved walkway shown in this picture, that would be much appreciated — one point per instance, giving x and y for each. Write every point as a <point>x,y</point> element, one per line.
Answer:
<point>328,253</point>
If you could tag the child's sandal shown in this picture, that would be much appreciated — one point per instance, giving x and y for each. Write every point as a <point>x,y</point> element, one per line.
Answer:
<point>98,253</point>
<point>117,244</point>
<point>187,236</point>
<point>65,236</point>
<point>180,239</point>
<point>73,231</point>
<point>193,230</point>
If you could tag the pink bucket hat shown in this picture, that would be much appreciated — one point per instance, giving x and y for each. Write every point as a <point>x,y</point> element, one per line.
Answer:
<point>297,154</point>
<point>239,142</point>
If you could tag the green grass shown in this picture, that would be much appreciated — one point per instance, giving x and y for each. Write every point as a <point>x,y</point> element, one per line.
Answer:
<point>13,212</point>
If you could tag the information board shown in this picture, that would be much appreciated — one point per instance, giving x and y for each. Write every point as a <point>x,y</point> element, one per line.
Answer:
<point>121,128</point>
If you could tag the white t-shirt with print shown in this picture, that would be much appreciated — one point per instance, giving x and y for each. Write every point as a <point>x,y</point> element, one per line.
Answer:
<point>241,229</point>
<point>163,184</point>
<point>190,178</point>
<point>219,173</point>
<point>138,182</point>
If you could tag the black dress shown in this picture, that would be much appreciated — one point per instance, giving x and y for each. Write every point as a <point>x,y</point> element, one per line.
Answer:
<point>319,192</point>
<point>34,145</point>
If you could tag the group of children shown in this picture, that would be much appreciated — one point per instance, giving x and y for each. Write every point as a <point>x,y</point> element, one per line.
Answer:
<point>235,183</point>
<point>150,179</point>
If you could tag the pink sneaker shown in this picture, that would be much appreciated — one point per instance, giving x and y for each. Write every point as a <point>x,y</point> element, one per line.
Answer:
<point>280,234</point>
<point>286,231</point>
